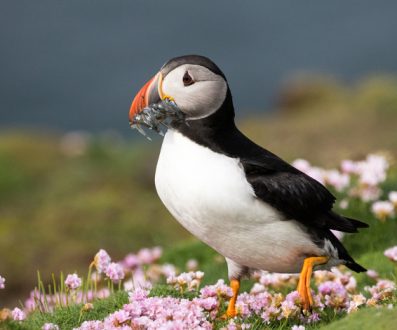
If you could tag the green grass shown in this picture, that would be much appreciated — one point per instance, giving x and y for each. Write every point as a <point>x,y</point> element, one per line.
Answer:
<point>68,318</point>
<point>367,319</point>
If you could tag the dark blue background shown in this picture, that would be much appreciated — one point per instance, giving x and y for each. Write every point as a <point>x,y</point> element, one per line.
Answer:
<point>76,64</point>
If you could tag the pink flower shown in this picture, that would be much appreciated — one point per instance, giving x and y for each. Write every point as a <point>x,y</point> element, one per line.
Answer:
<point>157,252</point>
<point>344,204</point>
<point>302,165</point>
<point>313,318</point>
<point>317,174</point>
<point>369,179</point>
<point>190,281</point>
<point>50,326</point>
<point>372,274</point>
<point>378,164</point>
<point>2,281</point>
<point>208,304</point>
<point>148,256</point>
<point>115,272</point>
<point>131,261</point>
<point>372,171</point>
<point>117,318</point>
<point>17,314</point>
<point>290,307</point>
<point>330,287</point>
<point>349,167</point>
<point>336,179</point>
<point>298,327</point>
<point>382,290</point>
<point>72,281</point>
<point>270,314</point>
<point>168,270</point>
<point>102,261</point>
<point>366,193</point>
<point>191,264</point>
<point>391,253</point>
<point>382,209</point>
<point>91,325</point>
<point>219,289</point>
<point>334,294</point>
<point>357,300</point>
<point>231,325</point>
<point>138,295</point>
<point>393,198</point>
<point>140,280</point>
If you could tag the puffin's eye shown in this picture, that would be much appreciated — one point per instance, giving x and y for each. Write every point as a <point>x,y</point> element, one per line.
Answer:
<point>187,79</point>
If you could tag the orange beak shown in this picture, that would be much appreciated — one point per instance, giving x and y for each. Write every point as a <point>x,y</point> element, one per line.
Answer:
<point>150,93</point>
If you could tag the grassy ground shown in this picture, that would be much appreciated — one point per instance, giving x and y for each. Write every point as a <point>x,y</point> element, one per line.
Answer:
<point>367,319</point>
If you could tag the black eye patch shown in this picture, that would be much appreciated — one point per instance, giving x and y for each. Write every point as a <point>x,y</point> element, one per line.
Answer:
<point>187,79</point>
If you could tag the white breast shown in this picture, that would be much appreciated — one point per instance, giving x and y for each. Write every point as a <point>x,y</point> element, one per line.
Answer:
<point>207,192</point>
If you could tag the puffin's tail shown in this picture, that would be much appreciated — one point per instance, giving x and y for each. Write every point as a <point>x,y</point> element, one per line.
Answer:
<point>337,222</point>
<point>357,223</point>
<point>344,255</point>
<point>355,266</point>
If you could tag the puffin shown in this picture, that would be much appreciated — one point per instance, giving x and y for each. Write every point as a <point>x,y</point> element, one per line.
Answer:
<point>248,204</point>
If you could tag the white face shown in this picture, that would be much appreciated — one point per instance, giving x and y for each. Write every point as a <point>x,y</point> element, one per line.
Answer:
<point>197,91</point>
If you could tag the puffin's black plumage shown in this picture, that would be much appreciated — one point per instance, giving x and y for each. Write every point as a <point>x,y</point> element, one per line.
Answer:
<point>191,59</point>
<point>293,193</point>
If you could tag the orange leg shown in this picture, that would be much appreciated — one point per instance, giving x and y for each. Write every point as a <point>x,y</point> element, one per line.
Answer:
<point>231,309</point>
<point>305,277</point>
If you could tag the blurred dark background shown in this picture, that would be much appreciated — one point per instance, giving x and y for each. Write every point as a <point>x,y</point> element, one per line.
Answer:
<point>77,64</point>
<point>311,79</point>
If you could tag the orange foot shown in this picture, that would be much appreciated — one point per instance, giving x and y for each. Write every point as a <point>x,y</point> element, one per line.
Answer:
<point>231,308</point>
<point>304,280</point>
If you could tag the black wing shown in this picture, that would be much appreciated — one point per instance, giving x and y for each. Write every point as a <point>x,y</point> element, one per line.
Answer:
<point>296,195</point>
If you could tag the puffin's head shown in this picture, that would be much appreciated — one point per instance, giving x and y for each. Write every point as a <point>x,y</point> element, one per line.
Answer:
<point>193,82</point>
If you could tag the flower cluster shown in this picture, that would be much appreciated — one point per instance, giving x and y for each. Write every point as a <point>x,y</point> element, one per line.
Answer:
<point>336,290</point>
<point>383,290</point>
<point>132,263</point>
<point>115,272</point>
<point>385,209</point>
<point>186,281</point>
<point>391,253</point>
<point>73,282</point>
<point>144,312</point>
<point>50,326</point>
<point>139,270</point>
<point>18,314</point>
<point>143,257</point>
<point>102,261</point>
<point>359,179</point>
<point>362,177</point>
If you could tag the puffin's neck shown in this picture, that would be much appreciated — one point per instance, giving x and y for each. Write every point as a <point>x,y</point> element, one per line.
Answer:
<point>213,130</point>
